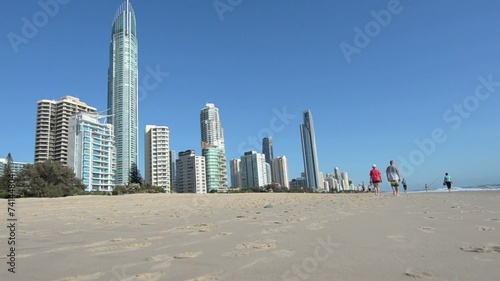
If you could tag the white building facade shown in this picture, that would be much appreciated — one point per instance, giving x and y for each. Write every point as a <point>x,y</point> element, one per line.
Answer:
<point>157,156</point>
<point>91,152</point>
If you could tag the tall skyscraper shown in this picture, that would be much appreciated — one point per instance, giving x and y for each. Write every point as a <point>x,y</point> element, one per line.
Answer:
<point>91,151</point>
<point>191,177</point>
<point>123,90</point>
<point>212,145</point>
<point>309,153</point>
<point>345,181</point>
<point>253,170</point>
<point>173,169</point>
<point>52,121</point>
<point>156,154</point>
<point>338,177</point>
<point>267,149</point>
<point>280,171</point>
<point>235,167</point>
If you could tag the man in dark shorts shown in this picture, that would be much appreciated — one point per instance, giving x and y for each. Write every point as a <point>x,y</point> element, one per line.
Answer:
<point>393,177</point>
<point>405,185</point>
<point>447,181</point>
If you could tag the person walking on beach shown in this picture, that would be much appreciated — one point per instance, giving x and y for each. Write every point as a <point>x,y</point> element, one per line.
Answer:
<point>447,181</point>
<point>426,187</point>
<point>393,177</point>
<point>405,186</point>
<point>375,179</point>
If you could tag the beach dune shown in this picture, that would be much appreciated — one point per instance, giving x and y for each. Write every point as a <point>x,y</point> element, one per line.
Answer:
<point>259,236</point>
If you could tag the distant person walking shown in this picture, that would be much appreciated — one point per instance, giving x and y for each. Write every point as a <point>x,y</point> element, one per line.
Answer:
<point>405,185</point>
<point>447,181</point>
<point>426,187</point>
<point>375,179</point>
<point>393,177</point>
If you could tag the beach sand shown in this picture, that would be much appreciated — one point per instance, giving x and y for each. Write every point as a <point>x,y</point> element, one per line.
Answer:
<point>417,236</point>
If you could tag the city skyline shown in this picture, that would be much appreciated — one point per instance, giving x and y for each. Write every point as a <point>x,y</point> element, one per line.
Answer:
<point>422,76</point>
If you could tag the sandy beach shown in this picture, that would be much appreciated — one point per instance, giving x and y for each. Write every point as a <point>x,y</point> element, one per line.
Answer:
<point>266,236</point>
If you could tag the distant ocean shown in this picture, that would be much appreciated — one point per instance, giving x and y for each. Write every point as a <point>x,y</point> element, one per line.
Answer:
<point>485,187</point>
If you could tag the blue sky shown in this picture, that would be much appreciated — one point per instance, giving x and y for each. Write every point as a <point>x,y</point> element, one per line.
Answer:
<point>410,89</point>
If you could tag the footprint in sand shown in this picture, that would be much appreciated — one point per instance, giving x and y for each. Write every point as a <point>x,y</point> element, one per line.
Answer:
<point>187,255</point>
<point>487,249</point>
<point>127,247</point>
<point>154,238</point>
<point>205,278</point>
<point>485,228</point>
<point>397,238</point>
<point>159,258</point>
<point>120,239</point>
<point>415,273</point>
<point>250,247</point>
<point>426,229</point>
<point>202,227</point>
<point>87,277</point>
<point>150,276</point>
<point>258,246</point>
<point>218,235</point>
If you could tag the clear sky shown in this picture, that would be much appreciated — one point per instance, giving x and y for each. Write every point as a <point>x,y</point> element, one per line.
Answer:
<point>383,79</point>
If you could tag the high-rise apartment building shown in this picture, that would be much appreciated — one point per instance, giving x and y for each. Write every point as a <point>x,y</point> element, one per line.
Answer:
<point>157,156</point>
<point>309,153</point>
<point>235,168</point>
<point>338,178</point>
<point>213,149</point>
<point>253,170</point>
<point>173,170</point>
<point>345,181</point>
<point>52,121</point>
<point>267,149</point>
<point>191,177</point>
<point>91,151</point>
<point>280,171</point>
<point>330,179</point>
<point>15,167</point>
<point>123,90</point>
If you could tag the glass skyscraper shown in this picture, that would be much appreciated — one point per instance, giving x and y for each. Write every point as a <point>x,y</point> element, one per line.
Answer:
<point>212,144</point>
<point>123,90</point>
<point>267,149</point>
<point>309,154</point>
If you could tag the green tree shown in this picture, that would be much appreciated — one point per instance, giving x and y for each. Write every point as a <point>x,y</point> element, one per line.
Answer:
<point>134,175</point>
<point>7,170</point>
<point>49,179</point>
